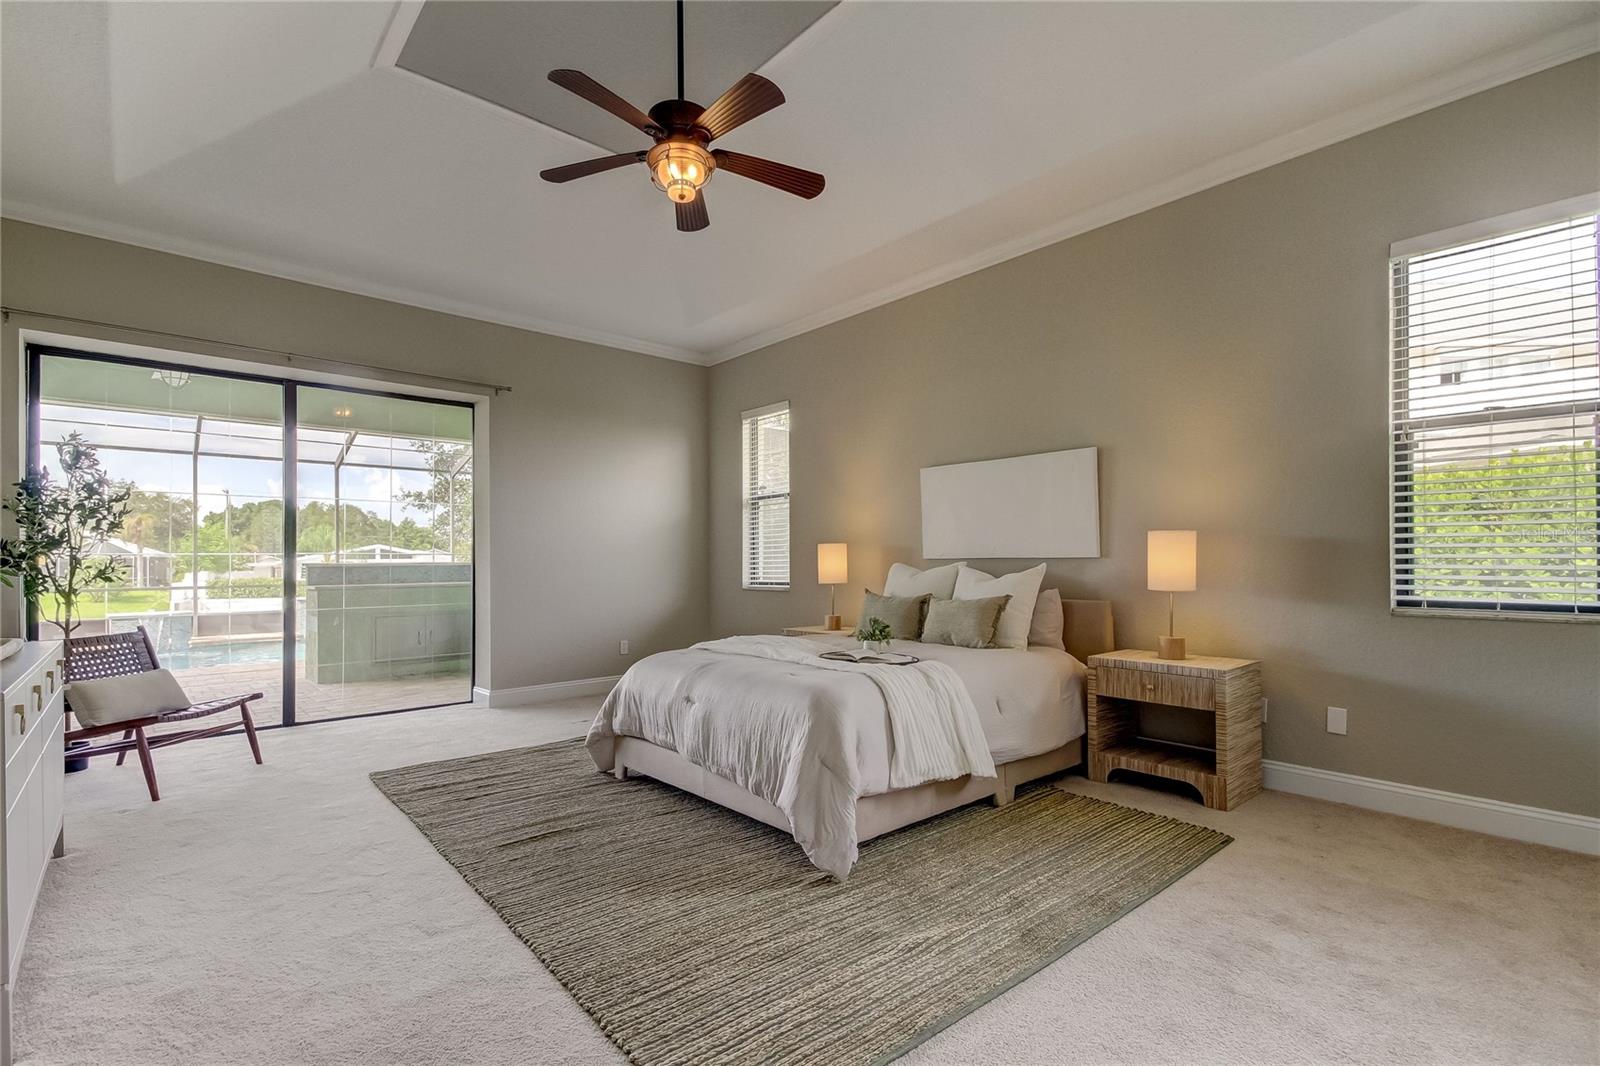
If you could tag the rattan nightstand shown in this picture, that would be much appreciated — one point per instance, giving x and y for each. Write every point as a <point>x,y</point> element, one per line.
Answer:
<point>1228,689</point>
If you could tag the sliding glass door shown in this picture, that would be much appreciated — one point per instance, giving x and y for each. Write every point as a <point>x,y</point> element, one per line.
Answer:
<point>384,534</point>
<point>204,458</point>
<point>343,588</point>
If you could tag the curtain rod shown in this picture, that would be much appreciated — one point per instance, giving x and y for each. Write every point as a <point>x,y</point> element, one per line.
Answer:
<point>290,358</point>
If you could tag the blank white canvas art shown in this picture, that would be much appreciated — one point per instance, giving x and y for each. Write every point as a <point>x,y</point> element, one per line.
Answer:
<point>1044,506</point>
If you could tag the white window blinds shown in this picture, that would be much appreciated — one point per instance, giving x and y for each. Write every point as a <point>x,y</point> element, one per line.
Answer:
<point>1495,402</point>
<point>766,497</point>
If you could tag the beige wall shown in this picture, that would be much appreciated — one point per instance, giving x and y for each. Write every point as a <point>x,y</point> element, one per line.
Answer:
<point>1227,354</point>
<point>597,459</point>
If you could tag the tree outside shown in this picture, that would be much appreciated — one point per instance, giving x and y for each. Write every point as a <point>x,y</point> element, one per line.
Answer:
<point>1535,498</point>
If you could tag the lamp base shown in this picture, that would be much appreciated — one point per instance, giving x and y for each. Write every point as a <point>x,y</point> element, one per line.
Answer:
<point>833,622</point>
<point>1171,648</point>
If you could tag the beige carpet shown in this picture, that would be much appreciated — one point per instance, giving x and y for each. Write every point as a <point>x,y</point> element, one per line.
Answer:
<point>288,913</point>
<point>695,935</point>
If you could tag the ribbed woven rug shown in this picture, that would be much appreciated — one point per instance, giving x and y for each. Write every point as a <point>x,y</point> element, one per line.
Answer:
<point>695,935</point>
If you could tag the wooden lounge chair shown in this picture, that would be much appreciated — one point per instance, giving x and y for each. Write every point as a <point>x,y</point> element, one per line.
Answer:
<point>121,654</point>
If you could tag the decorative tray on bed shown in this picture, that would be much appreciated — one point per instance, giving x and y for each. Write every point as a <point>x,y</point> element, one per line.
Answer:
<point>885,658</point>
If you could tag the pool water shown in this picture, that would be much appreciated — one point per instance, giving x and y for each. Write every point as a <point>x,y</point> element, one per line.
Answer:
<point>229,652</point>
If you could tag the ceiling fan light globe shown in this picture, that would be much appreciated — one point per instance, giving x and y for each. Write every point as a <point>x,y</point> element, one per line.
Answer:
<point>680,168</point>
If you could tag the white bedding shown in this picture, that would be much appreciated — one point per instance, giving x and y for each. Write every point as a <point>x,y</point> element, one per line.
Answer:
<point>812,740</point>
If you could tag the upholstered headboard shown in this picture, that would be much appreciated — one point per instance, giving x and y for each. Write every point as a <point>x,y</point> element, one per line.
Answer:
<point>1088,627</point>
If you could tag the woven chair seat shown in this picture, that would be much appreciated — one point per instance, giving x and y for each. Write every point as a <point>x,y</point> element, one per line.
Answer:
<point>201,710</point>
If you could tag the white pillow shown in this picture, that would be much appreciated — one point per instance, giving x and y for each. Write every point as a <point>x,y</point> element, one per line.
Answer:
<point>118,699</point>
<point>938,582</point>
<point>1023,588</point>
<point>1049,622</point>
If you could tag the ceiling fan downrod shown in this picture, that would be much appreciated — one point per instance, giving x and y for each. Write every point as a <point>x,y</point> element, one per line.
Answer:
<point>682,160</point>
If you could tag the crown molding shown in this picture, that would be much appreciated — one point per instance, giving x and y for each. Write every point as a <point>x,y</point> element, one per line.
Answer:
<point>278,268</point>
<point>1499,68</point>
<point>395,35</point>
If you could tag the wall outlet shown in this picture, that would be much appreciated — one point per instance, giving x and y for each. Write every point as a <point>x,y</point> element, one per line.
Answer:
<point>1338,720</point>
<point>1264,704</point>
<point>622,647</point>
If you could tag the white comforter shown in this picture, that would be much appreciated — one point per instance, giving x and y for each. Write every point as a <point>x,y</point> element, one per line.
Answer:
<point>811,735</point>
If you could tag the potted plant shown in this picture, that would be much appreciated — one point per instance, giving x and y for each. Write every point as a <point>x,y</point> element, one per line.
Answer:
<point>59,525</point>
<point>874,634</point>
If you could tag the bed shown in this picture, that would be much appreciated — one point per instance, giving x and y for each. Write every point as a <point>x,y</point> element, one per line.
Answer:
<point>673,717</point>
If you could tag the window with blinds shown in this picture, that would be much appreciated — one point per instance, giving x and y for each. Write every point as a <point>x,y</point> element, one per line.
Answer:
<point>766,497</point>
<point>1495,405</point>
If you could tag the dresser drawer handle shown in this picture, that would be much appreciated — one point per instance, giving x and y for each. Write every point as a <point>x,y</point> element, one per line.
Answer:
<point>22,719</point>
<point>38,699</point>
<point>50,676</point>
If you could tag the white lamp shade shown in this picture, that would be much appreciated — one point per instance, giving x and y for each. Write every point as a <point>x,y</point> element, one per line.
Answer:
<point>833,564</point>
<point>1171,560</point>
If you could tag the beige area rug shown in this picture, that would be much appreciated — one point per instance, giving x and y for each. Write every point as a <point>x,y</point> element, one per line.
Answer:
<point>695,935</point>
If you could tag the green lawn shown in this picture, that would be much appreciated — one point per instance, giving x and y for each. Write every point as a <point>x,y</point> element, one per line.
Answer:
<point>114,601</point>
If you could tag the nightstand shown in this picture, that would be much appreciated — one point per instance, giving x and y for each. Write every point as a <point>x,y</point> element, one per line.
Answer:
<point>1227,689</point>
<point>819,631</point>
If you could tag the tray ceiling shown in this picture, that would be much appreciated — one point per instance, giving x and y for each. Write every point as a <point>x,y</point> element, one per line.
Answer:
<point>286,138</point>
<point>501,52</point>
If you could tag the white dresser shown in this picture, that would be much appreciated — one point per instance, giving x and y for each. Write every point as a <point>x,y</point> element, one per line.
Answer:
<point>33,684</point>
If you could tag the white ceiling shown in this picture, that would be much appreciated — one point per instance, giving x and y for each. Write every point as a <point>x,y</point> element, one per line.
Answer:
<point>280,137</point>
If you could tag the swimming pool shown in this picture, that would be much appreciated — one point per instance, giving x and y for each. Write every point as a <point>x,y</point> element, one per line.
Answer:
<point>190,656</point>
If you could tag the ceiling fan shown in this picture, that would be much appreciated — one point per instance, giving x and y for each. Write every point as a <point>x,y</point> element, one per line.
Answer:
<point>682,160</point>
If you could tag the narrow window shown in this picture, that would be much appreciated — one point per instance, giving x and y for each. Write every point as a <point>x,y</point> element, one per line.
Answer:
<point>766,497</point>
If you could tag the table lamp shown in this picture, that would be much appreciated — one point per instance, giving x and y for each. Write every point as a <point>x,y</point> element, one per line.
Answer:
<point>1170,568</point>
<point>833,568</point>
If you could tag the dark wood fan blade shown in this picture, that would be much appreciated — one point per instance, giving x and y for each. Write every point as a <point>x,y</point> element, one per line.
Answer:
<point>692,215</point>
<point>576,81</point>
<point>804,183</point>
<point>590,166</point>
<point>750,96</point>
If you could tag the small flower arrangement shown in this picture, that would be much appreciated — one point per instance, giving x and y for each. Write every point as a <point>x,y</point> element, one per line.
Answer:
<point>874,634</point>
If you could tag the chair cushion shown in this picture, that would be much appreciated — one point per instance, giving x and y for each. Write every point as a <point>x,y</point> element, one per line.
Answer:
<point>120,699</point>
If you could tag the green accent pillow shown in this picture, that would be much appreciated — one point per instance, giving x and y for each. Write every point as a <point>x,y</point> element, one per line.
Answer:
<point>903,614</point>
<point>963,623</point>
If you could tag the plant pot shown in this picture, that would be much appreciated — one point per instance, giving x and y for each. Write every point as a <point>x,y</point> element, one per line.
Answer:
<point>75,765</point>
<point>875,647</point>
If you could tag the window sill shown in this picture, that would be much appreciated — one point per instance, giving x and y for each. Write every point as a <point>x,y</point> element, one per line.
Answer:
<point>1501,616</point>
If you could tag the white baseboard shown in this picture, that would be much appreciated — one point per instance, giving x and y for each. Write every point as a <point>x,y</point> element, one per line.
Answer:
<point>555,690</point>
<point>1557,829</point>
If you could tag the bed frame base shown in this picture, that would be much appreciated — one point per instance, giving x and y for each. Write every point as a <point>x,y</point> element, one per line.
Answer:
<point>875,815</point>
